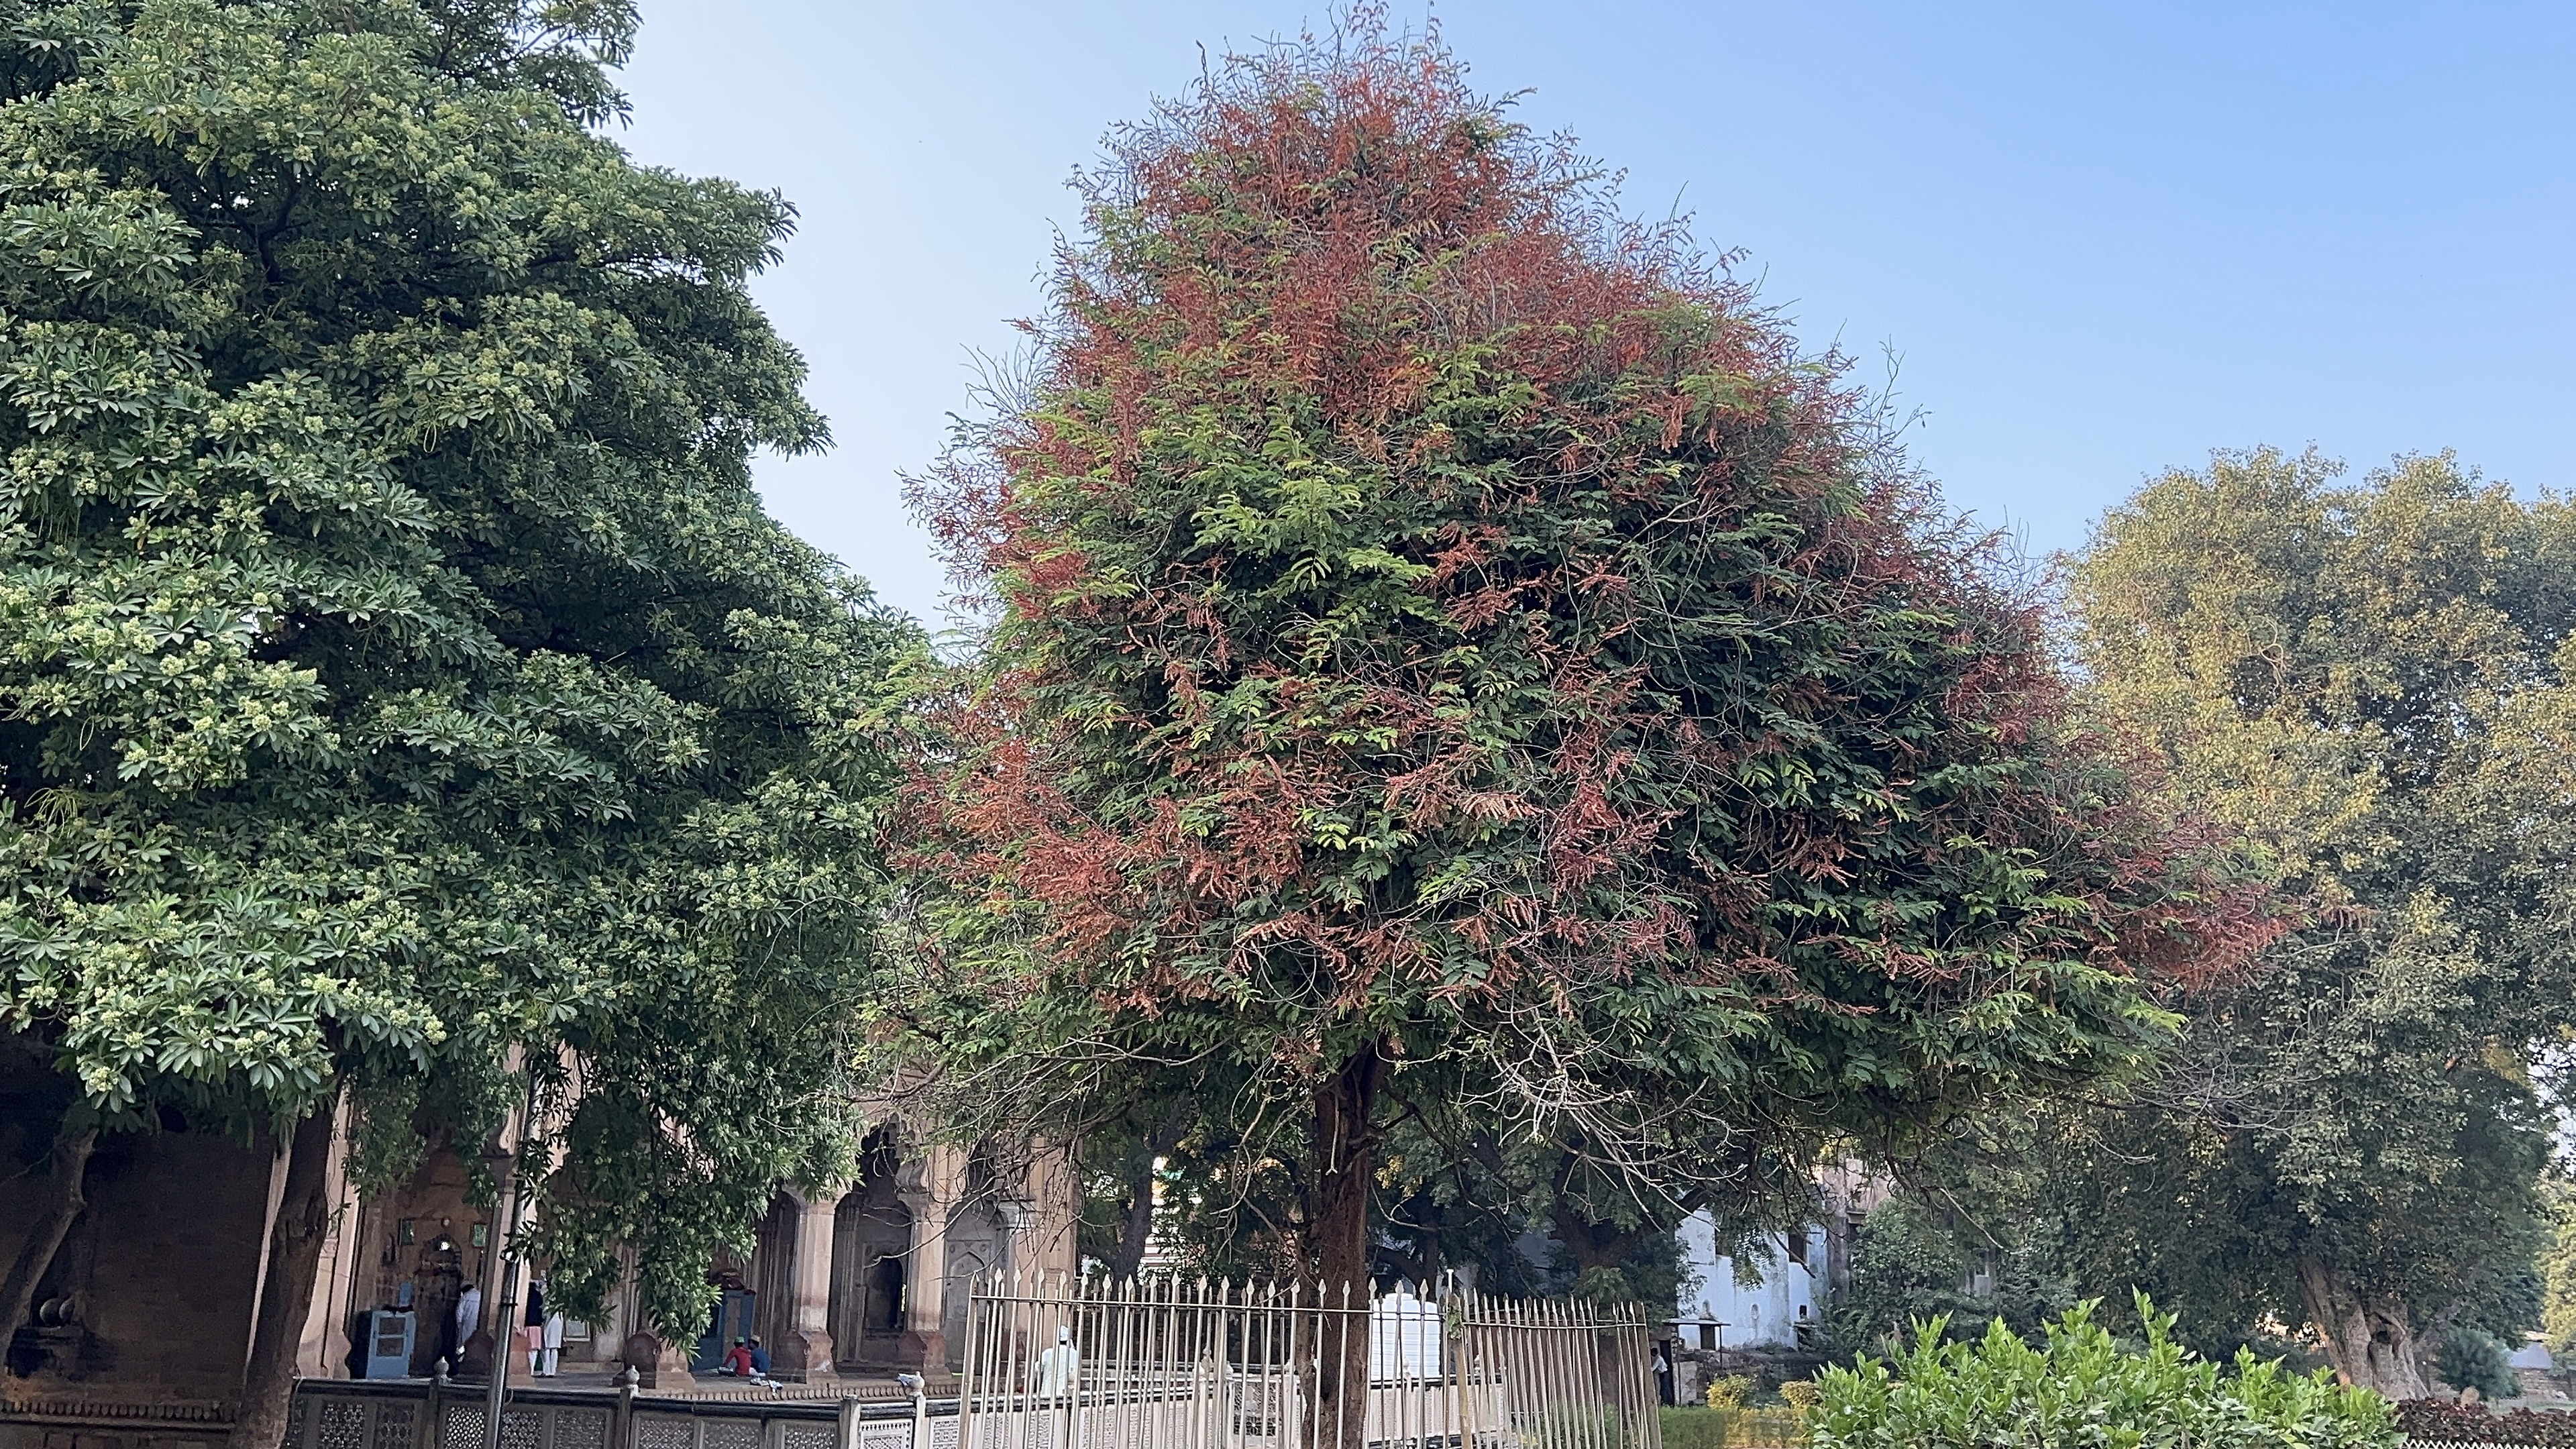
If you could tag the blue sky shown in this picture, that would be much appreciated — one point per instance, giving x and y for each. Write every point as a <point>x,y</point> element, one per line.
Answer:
<point>2104,239</point>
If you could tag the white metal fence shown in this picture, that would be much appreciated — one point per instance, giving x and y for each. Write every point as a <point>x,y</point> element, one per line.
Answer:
<point>1056,1364</point>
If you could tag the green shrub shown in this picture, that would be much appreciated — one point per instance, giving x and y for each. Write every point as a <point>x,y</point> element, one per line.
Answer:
<point>1693,1429</point>
<point>1731,1429</point>
<point>2472,1358</point>
<point>1731,1392</point>
<point>2081,1387</point>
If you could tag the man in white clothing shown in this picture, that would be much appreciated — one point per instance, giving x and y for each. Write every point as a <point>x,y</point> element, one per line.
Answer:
<point>1059,1369</point>
<point>469,1316</point>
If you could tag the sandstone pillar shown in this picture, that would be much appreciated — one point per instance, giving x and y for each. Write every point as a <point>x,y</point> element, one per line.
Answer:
<point>927,1187</point>
<point>805,1352</point>
<point>330,1333</point>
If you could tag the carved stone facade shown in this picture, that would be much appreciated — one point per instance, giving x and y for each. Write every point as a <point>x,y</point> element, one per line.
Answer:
<point>872,1276</point>
<point>144,1318</point>
<point>865,1277</point>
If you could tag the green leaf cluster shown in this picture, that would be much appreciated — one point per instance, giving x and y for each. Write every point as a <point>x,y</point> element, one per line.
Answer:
<point>1916,1259</point>
<point>2558,1274</point>
<point>2472,1358</point>
<point>2082,1387</point>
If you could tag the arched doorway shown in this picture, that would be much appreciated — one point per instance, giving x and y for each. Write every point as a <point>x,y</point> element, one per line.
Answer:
<point>871,1233</point>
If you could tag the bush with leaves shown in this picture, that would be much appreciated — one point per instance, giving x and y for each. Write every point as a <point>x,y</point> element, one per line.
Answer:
<point>2472,1358</point>
<point>2081,1386</point>
<point>1730,1391</point>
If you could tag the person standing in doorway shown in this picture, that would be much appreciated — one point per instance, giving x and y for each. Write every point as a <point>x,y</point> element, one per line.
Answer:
<point>469,1316</point>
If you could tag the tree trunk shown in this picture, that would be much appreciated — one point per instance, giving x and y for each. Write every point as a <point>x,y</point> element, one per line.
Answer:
<point>2368,1340</point>
<point>63,1208</point>
<point>1592,1245</point>
<point>286,1293</point>
<point>1345,1158</point>
<point>1128,1258</point>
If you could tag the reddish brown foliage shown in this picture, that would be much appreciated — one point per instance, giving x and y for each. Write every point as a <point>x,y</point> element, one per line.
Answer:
<point>1425,596</point>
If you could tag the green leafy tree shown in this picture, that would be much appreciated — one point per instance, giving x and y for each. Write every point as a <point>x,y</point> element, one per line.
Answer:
<point>1449,647</point>
<point>2558,1274</point>
<point>2370,681</point>
<point>1917,1259</point>
<point>402,693</point>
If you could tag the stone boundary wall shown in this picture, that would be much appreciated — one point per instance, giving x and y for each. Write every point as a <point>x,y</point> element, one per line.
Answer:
<point>413,1414</point>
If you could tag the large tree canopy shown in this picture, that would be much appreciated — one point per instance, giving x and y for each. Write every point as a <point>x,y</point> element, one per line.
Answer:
<point>1450,648</point>
<point>396,665</point>
<point>2371,682</point>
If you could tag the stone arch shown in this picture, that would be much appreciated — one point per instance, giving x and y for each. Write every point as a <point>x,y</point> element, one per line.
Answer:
<point>871,1234</point>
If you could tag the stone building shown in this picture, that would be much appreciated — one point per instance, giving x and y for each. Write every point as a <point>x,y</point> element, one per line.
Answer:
<point>864,1278</point>
<point>1779,1301</point>
<point>142,1322</point>
<point>1770,1314</point>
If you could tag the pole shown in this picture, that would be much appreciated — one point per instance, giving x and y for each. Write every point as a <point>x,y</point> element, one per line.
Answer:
<point>505,1346</point>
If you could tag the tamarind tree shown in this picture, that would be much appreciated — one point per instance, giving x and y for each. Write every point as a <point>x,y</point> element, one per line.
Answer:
<point>1451,654</point>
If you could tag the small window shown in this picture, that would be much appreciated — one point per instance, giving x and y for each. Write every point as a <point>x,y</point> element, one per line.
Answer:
<point>1798,1248</point>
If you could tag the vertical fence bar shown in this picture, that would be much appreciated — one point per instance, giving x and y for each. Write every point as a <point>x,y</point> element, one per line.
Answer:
<point>1574,1338</point>
<point>965,1401</point>
<point>1125,1343</point>
<point>1529,1379</point>
<point>1019,1388</point>
<point>1171,1332</point>
<point>1471,1369</point>
<point>1549,1349</point>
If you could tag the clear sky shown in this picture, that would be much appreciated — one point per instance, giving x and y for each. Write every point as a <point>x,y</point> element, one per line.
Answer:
<point>2105,239</point>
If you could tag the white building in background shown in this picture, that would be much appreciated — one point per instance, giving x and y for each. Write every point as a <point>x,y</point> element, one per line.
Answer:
<point>1778,1301</point>
<point>1405,1336</point>
<point>1783,1295</point>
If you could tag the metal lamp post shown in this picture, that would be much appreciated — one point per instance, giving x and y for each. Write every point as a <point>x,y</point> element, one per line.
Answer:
<point>500,1263</point>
